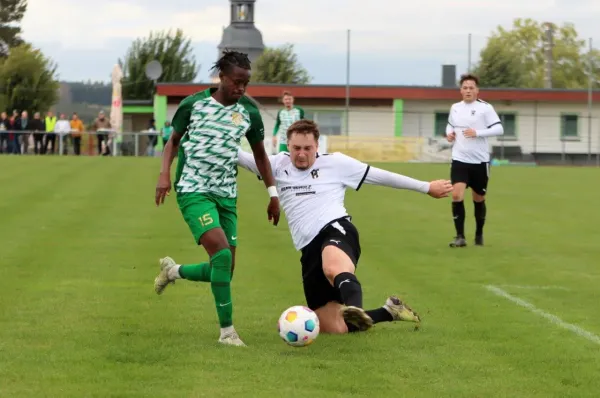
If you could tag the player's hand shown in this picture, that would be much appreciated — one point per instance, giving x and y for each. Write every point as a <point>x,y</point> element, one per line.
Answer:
<point>162,188</point>
<point>439,188</point>
<point>470,133</point>
<point>451,137</point>
<point>273,210</point>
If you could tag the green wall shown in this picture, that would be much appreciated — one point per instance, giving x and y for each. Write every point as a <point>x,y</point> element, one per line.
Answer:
<point>398,117</point>
<point>160,116</point>
<point>129,109</point>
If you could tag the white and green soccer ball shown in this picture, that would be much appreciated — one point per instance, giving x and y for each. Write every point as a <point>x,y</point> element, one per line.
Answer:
<point>298,326</point>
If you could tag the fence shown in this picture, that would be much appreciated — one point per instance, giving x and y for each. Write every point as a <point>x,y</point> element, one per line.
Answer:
<point>533,140</point>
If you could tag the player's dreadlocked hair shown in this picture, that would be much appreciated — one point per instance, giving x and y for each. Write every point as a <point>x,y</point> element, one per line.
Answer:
<point>304,126</point>
<point>231,59</point>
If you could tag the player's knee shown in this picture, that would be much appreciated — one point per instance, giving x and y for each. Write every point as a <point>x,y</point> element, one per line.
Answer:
<point>221,266</point>
<point>332,324</point>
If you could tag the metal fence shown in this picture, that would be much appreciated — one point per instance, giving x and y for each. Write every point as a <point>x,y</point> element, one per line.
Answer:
<point>529,139</point>
<point>95,143</point>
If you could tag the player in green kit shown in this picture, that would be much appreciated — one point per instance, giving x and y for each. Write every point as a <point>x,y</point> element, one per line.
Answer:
<point>207,131</point>
<point>285,118</point>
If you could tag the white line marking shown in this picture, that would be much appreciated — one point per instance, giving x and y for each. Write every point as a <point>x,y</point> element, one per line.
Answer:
<point>552,318</point>
<point>535,287</point>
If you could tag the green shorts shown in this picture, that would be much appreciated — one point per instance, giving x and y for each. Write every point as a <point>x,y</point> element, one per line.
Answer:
<point>203,212</point>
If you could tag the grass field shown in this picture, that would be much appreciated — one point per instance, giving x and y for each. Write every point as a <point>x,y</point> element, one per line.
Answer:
<point>80,240</point>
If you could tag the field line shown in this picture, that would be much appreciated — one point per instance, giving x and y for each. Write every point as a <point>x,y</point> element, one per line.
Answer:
<point>552,318</point>
<point>529,287</point>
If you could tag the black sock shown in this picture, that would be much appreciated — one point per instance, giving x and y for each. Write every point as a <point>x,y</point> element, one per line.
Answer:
<point>351,328</point>
<point>458,212</point>
<point>380,315</point>
<point>480,212</point>
<point>349,288</point>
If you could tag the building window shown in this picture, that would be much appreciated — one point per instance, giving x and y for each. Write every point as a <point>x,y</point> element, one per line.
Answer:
<point>569,126</point>
<point>330,122</point>
<point>509,123</point>
<point>441,121</point>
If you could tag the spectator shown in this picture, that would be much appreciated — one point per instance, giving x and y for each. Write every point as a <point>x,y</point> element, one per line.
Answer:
<point>76,133</point>
<point>50,136</point>
<point>37,126</point>
<point>152,138</point>
<point>166,132</point>
<point>101,126</point>
<point>22,132</point>
<point>13,138</point>
<point>62,128</point>
<point>4,127</point>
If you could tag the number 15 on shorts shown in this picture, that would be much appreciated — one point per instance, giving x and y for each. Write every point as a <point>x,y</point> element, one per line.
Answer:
<point>205,220</point>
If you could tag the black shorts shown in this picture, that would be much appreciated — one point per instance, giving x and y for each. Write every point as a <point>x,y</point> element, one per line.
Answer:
<point>475,175</point>
<point>317,289</point>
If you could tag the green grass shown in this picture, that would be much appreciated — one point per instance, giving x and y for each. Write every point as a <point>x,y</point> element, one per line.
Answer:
<point>79,244</point>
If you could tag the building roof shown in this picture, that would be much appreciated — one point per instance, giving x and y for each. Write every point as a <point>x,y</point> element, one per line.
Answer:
<point>323,91</point>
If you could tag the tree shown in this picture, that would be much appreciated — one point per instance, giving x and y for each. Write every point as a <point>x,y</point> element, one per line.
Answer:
<point>173,51</point>
<point>28,80</point>
<point>517,57</point>
<point>279,65</point>
<point>11,14</point>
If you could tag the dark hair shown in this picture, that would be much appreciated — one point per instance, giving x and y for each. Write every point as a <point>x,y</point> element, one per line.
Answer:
<point>231,59</point>
<point>305,127</point>
<point>471,77</point>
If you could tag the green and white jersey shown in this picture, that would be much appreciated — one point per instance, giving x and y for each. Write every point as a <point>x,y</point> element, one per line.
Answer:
<point>285,118</point>
<point>212,134</point>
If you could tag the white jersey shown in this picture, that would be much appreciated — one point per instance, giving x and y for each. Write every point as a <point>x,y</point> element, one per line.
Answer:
<point>313,198</point>
<point>479,116</point>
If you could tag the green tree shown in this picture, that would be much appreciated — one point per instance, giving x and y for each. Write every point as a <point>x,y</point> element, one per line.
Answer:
<point>516,57</point>
<point>11,14</point>
<point>279,65</point>
<point>28,80</point>
<point>173,51</point>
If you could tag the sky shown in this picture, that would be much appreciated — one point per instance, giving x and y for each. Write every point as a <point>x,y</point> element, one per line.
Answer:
<point>392,42</point>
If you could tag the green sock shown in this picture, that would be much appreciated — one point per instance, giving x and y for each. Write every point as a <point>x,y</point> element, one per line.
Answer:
<point>220,284</point>
<point>196,272</point>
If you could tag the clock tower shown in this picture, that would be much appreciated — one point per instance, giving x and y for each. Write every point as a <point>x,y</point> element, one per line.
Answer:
<point>241,34</point>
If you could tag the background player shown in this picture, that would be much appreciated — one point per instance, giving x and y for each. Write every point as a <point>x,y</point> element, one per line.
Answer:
<point>285,117</point>
<point>207,129</point>
<point>312,188</point>
<point>470,122</point>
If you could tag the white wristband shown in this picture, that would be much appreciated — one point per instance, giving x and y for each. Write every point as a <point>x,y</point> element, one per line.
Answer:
<point>272,192</point>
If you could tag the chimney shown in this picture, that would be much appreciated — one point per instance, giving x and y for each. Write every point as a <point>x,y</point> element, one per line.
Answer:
<point>448,75</point>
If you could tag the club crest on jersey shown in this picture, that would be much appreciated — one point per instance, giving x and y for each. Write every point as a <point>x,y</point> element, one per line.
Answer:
<point>473,112</point>
<point>315,173</point>
<point>237,118</point>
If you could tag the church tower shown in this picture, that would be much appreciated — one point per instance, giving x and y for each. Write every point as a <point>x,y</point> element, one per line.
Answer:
<point>241,34</point>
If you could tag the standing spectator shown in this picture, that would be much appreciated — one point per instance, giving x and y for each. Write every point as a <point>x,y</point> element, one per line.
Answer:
<point>50,136</point>
<point>13,138</point>
<point>76,133</point>
<point>166,132</point>
<point>22,134</point>
<point>62,128</point>
<point>152,138</point>
<point>4,127</point>
<point>101,126</point>
<point>38,128</point>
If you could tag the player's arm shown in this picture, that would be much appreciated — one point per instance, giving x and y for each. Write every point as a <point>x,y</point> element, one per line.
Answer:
<point>450,135</point>
<point>180,123</point>
<point>356,173</point>
<point>246,160</point>
<point>277,124</point>
<point>493,123</point>
<point>256,136</point>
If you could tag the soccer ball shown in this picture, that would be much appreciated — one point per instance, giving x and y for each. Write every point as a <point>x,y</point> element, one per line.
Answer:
<point>298,326</point>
